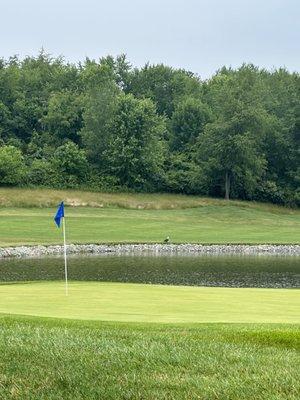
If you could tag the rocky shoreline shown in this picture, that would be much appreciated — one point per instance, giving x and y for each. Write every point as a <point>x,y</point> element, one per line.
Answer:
<point>157,249</point>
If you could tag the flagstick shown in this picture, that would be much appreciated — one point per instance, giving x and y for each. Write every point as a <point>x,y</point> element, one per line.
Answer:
<point>65,254</point>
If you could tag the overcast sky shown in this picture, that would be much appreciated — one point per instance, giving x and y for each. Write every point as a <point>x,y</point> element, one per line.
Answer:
<point>200,36</point>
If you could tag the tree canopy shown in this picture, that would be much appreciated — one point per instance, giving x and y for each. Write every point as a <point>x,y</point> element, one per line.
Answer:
<point>105,125</point>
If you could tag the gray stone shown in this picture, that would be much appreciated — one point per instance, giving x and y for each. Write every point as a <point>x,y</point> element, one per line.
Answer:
<point>37,251</point>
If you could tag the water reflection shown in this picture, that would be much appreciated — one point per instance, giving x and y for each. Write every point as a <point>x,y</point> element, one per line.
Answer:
<point>230,271</point>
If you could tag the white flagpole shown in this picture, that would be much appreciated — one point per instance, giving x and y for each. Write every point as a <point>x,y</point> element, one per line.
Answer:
<point>65,254</point>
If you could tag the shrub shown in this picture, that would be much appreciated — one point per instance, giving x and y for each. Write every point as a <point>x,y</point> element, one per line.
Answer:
<point>71,165</point>
<point>42,173</point>
<point>268,191</point>
<point>12,166</point>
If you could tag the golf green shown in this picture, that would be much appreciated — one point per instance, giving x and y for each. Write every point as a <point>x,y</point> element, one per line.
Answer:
<point>151,303</point>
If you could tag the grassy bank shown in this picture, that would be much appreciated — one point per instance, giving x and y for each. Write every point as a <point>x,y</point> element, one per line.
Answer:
<point>127,302</point>
<point>55,359</point>
<point>43,198</point>
<point>206,224</point>
<point>26,217</point>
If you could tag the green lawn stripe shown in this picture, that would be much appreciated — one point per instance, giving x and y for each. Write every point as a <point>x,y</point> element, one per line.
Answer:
<point>151,303</point>
<point>207,224</point>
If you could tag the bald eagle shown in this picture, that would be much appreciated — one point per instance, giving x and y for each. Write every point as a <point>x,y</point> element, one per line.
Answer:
<point>167,239</point>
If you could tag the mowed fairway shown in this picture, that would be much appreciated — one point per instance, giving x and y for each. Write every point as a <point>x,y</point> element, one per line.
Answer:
<point>150,303</point>
<point>206,224</point>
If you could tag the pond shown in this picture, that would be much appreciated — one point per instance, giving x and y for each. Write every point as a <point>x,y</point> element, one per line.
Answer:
<point>226,271</point>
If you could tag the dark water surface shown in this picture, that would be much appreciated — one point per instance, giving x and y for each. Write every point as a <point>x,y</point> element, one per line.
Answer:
<point>230,271</point>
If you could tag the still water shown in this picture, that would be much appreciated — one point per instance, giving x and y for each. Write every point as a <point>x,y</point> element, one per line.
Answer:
<point>230,271</point>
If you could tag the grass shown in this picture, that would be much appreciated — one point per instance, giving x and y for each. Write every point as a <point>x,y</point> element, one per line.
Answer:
<point>44,359</point>
<point>26,218</point>
<point>206,224</point>
<point>44,198</point>
<point>127,302</point>
<point>128,341</point>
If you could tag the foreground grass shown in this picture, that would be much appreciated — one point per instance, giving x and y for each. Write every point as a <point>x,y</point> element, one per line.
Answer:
<point>210,223</point>
<point>44,359</point>
<point>129,302</point>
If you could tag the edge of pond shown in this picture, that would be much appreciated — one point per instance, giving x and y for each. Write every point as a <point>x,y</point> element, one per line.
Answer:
<point>152,249</point>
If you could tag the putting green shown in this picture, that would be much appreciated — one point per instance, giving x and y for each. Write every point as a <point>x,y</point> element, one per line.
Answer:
<point>150,303</point>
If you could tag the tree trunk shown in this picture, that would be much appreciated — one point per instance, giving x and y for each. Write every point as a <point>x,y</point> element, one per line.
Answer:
<point>227,185</point>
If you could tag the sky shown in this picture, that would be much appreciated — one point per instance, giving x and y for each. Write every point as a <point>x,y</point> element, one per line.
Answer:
<point>200,36</point>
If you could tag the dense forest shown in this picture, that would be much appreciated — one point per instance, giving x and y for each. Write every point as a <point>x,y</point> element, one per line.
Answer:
<point>105,125</point>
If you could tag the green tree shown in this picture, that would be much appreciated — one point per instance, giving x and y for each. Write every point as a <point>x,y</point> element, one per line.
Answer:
<point>5,121</point>
<point>187,123</point>
<point>71,164</point>
<point>136,148</point>
<point>12,166</point>
<point>183,175</point>
<point>64,116</point>
<point>99,113</point>
<point>155,127</point>
<point>230,156</point>
<point>164,85</point>
<point>230,150</point>
<point>43,173</point>
<point>123,136</point>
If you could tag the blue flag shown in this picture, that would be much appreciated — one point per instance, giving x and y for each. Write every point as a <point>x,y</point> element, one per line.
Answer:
<point>60,213</point>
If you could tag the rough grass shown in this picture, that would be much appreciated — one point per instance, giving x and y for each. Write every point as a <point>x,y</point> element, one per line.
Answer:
<point>43,198</point>
<point>57,359</point>
<point>127,302</point>
<point>16,197</point>
<point>206,224</point>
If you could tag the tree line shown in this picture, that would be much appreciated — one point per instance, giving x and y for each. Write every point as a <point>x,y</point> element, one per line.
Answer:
<point>105,125</point>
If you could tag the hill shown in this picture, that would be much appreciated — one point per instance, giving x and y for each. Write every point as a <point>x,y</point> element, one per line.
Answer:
<point>26,218</point>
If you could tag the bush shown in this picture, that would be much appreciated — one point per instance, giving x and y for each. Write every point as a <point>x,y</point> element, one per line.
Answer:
<point>71,165</point>
<point>297,197</point>
<point>42,173</point>
<point>268,191</point>
<point>184,176</point>
<point>100,182</point>
<point>12,166</point>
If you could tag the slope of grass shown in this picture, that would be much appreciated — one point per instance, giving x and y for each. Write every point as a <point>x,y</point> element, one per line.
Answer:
<point>16,197</point>
<point>45,198</point>
<point>151,303</point>
<point>206,224</point>
<point>56,359</point>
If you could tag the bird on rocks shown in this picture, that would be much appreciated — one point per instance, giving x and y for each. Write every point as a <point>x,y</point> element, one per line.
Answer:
<point>167,239</point>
